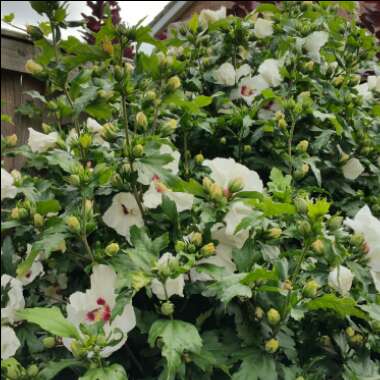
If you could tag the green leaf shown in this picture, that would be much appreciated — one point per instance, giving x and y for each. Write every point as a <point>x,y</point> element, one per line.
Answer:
<point>51,320</point>
<point>9,17</point>
<point>177,337</point>
<point>113,372</point>
<point>228,288</point>
<point>257,366</point>
<point>193,23</point>
<point>318,209</point>
<point>373,311</point>
<point>259,274</point>
<point>7,256</point>
<point>341,306</point>
<point>53,368</point>
<point>50,205</point>
<point>267,8</point>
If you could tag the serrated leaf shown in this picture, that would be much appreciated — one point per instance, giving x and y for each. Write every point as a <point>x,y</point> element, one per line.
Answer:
<point>113,372</point>
<point>177,337</point>
<point>47,206</point>
<point>341,306</point>
<point>53,368</point>
<point>228,288</point>
<point>257,366</point>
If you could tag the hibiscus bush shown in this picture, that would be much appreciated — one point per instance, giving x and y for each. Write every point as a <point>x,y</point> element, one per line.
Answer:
<point>207,210</point>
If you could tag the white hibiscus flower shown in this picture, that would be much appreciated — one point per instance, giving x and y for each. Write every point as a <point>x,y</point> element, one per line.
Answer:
<point>146,174</point>
<point>249,88</point>
<point>40,142</point>
<point>172,286</point>
<point>123,213</point>
<point>14,298</point>
<point>208,16</point>
<point>313,44</point>
<point>340,279</point>
<point>352,169</point>
<point>8,190</point>
<point>36,270</point>
<point>97,304</point>
<point>9,342</point>
<point>223,255</point>
<point>263,28</point>
<point>225,170</point>
<point>227,75</point>
<point>365,223</point>
<point>153,196</point>
<point>366,89</point>
<point>270,72</point>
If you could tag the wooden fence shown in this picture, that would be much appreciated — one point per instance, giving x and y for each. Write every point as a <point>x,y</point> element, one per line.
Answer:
<point>16,49</point>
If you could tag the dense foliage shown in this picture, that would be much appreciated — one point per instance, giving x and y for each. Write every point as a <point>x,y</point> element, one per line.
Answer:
<point>206,211</point>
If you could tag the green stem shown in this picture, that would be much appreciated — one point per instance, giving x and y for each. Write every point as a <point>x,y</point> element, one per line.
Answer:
<point>290,143</point>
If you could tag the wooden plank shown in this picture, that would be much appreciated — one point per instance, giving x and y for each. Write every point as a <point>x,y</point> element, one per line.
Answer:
<point>13,86</point>
<point>16,49</point>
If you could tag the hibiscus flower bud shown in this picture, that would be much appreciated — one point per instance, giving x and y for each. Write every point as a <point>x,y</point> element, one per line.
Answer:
<point>32,67</point>
<point>196,238</point>
<point>85,140</point>
<point>287,285</point>
<point>309,66</point>
<point>247,149</point>
<point>16,175</point>
<point>273,316</point>
<point>236,185</point>
<point>106,94</point>
<point>304,227</point>
<point>223,140</point>
<point>13,369</point>
<point>38,220</point>
<point>318,246</point>
<point>191,248</point>
<point>119,73</point>
<point>74,180</point>
<point>180,246</point>
<point>174,83</point>
<point>199,158</point>
<point>335,222</point>
<point>259,313</point>
<point>208,249</point>
<point>62,246</point>
<point>108,132</point>
<point>49,342</point>
<point>138,150</point>
<point>73,223</point>
<point>129,68</point>
<point>169,127</point>
<point>107,46</point>
<point>282,123</point>
<point>32,370</point>
<point>357,240</point>
<point>343,157</point>
<point>76,349</point>
<point>150,95</point>
<point>272,345</point>
<point>303,145</point>
<point>207,184</point>
<point>350,331</point>
<point>275,232</point>
<point>116,180</point>
<point>167,308</point>
<point>141,120</point>
<point>139,280</point>
<point>34,32</point>
<point>112,249</point>
<point>337,81</point>
<point>216,192</point>
<point>18,213</point>
<point>357,340</point>
<point>301,205</point>
<point>46,128</point>
<point>310,289</point>
<point>11,140</point>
